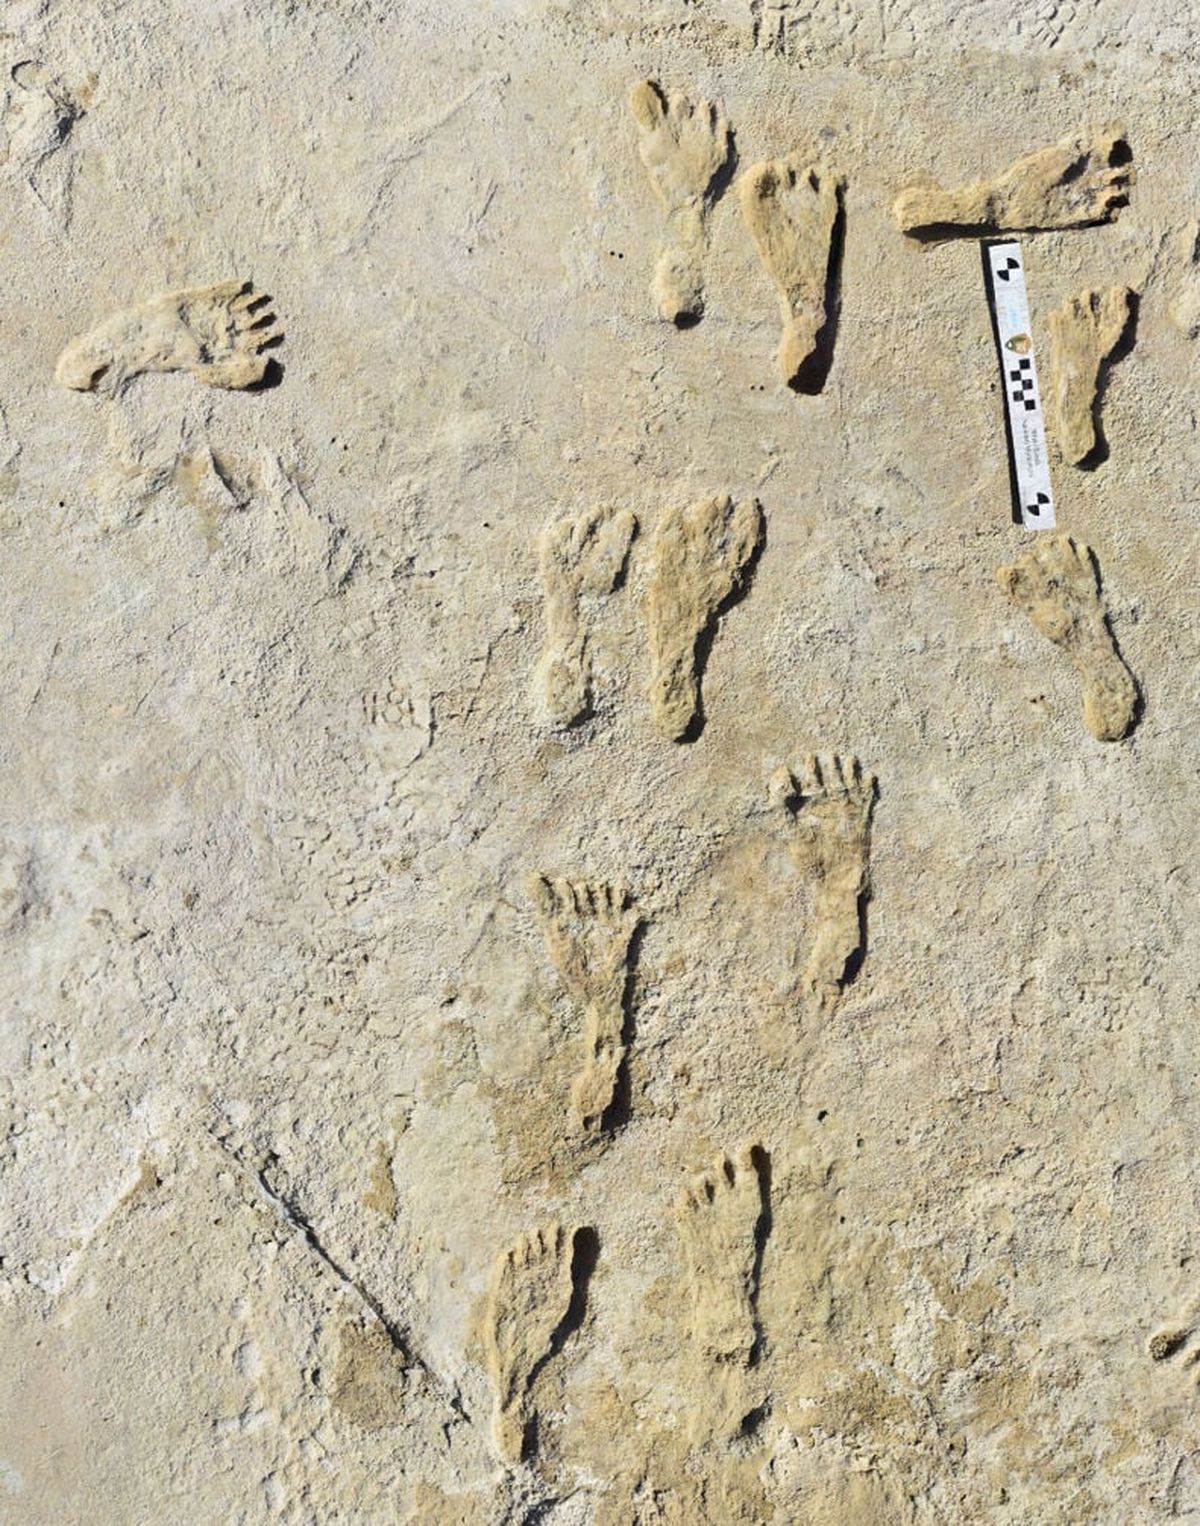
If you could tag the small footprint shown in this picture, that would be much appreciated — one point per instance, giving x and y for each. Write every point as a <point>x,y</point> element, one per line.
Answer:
<point>792,209</point>
<point>1084,332</point>
<point>685,146</point>
<point>1068,185</point>
<point>1057,584</point>
<point>579,557</point>
<point>588,928</point>
<point>830,803</point>
<point>702,556</point>
<point>719,1215</point>
<point>530,1293</point>
<point>217,333</point>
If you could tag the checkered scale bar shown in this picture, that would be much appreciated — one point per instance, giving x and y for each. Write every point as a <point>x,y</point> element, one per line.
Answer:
<point>1022,400</point>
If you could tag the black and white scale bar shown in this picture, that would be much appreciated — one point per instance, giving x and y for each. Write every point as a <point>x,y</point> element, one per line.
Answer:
<point>1030,467</point>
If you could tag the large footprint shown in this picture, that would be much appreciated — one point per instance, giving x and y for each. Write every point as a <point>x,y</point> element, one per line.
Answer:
<point>791,208</point>
<point>217,333</point>
<point>578,557</point>
<point>1068,185</point>
<point>684,145</point>
<point>529,1296</point>
<point>701,556</point>
<point>1057,584</point>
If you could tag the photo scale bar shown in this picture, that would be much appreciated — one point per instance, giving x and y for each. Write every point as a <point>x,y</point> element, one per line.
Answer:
<point>1029,465</point>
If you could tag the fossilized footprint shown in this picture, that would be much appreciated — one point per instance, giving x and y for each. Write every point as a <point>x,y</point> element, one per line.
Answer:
<point>702,555</point>
<point>580,557</point>
<point>1068,185</point>
<point>37,114</point>
<point>217,333</point>
<point>1084,332</point>
<point>588,927</point>
<point>684,144</point>
<point>718,1215</point>
<point>529,1296</point>
<point>830,803</point>
<point>1184,306</point>
<point>792,209</point>
<point>1057,584</point>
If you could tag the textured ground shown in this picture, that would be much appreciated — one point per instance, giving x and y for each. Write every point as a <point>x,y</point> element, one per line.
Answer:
<point>288,1048</point>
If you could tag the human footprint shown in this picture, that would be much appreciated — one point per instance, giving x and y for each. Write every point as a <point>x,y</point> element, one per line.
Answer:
<point>580,558</point>
<point>1067,185</point>
<point>719,1215</point>
<point>792,209</point>
<point>588,927</point>
<point>530,1290</point>
<point>217,333</point>
<point>1084,332</point>
<point>829,803</point>
<point>702,555</point>
<point>1057,584</point>
<point>685,145</point>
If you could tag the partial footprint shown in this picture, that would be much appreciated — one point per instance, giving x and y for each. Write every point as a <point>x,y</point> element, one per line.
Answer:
<point>588,927</point>
<point>1084,332</point>
<point>685,145</point>
<point>1057,584</point>
<point>218,333</point>
<point>1068,185</point>
<point>702,556</point>
<point>719,1215</point>
<point>579,557</point>
<point>530,1292</point>
<point>37,114</point>
<point>830,804</point>
<point>793,210</point>
<point>1184,307</point>
<point>1177,1343</point>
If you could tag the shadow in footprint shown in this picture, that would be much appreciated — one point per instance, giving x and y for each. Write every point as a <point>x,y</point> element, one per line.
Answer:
<point>812,375</point>
<point>270,378</point>
<point>1099,452</point>
<point>762,1231</point>
<point>617,1114</point>
<point>704,641</point>
<point>719,185</point>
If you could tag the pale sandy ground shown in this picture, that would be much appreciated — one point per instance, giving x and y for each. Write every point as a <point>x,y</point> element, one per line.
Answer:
<point>286,1061</point>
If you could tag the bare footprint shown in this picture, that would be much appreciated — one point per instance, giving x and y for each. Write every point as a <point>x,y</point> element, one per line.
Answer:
<point>37,114</point>
<point>791,209</point>
<point>1068,185</point>
<point>579,558</point>
<point>1184,306</point>
<point>830,804</point>
<point>702,555</point>
<point>217,333</point>
<point>718,1215</point>
<point>588,927</point>
<point>529,1296</point>
<point>1084,332</point>
<point>684,145</point>
<point>1057,584</point>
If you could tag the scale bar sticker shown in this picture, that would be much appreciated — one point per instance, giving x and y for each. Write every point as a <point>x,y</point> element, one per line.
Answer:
<point>1030,467</point>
